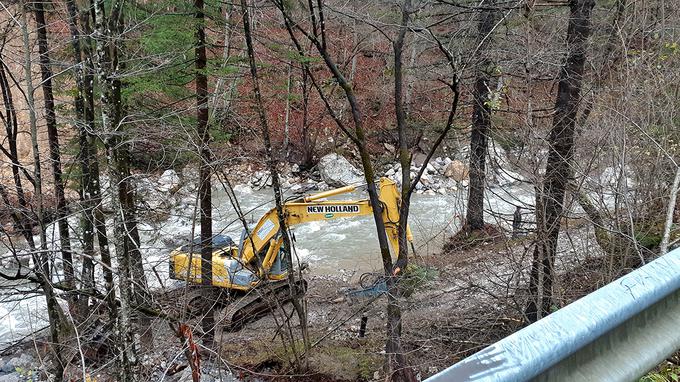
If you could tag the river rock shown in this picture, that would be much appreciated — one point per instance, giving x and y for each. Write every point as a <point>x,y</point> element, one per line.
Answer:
<point>396,176</point>
<point>390,172</point>
<point>190,172</point>
<point>23,361</point>
<point>14,377</point>
<point>336,171</point>
<point>168,181</point>
<point>260,179</point>
<point>457,171</point>
<point>449,183</point>
<point>430,169</point>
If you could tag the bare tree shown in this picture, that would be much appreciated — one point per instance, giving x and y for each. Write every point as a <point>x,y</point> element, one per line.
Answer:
<point>204,187</point>
<point>550,199</point>
<point>481,115</point>
<point>276,184</point>
<point>107,34</point>
<point>53,137</point>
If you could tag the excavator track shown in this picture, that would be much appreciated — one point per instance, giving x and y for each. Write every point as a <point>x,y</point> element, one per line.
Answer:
<point>191,301</point>
<point>235,310</point>
<point>256,304</point>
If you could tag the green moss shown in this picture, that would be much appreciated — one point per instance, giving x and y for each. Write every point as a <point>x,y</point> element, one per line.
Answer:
<point>343,362</point>
<point>416,277</point>
<point>667,372</point>
<point>649,240</point>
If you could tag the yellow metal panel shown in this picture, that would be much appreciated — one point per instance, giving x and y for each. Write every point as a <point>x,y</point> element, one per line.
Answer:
<point>181,265</point>
<point>269,258</point>
<point>266,228</point>
<point>307,212</point>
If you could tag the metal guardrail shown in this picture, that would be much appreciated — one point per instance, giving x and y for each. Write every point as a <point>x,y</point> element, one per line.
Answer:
<point>617,333</point>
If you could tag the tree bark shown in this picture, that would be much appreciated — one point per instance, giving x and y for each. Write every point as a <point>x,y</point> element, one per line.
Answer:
<point>107,30</point>
<point>481,118</point>
<point>93,181</point>
<point>668,223</point>
<point>204,189</point>
<point>558,168</point>
<point>53,138</point>
<point>397,366</point>
<point>85,158</point>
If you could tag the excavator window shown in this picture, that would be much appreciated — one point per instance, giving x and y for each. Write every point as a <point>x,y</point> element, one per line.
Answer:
<point>218,241</point>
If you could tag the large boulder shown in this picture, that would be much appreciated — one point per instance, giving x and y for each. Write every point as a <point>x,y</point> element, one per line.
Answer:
<point>457,171</point>
<point>336,171</point>
<point>169,181</point>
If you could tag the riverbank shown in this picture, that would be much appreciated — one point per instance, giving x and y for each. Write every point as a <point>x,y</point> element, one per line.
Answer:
<point>465,301</point>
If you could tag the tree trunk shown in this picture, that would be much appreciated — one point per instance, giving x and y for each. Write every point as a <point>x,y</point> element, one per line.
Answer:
<point>53,138</point>
<point>85,159</point>
<point>204,189</point>
<point>481,117</point>
<point>93,182</point>
<point>286,119</point>
<point>397,367</point>
<point>41,258</point>
<point>12,130</point>
<point>670,209</point>
<point>278,198</point>
<point>308,137</point>
<point>558,168</point>
<point>107,32</point>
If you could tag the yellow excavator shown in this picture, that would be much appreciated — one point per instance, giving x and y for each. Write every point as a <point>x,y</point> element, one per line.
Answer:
<point>243,270</point>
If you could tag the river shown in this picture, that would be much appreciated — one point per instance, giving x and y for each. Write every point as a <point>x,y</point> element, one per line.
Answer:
<point>346,247</point>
